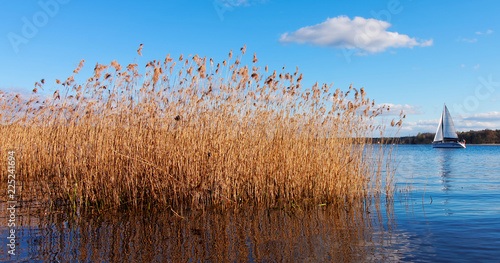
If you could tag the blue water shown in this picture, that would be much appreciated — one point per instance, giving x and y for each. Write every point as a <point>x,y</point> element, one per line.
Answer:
<point>446,208</point>
<point>451,211</point>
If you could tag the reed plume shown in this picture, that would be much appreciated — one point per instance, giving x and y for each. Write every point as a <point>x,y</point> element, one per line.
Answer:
<point>189,133</point>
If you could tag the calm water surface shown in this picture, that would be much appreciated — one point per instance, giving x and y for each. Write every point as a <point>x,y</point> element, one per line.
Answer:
<point>453,212</point>
<point>446,209</point>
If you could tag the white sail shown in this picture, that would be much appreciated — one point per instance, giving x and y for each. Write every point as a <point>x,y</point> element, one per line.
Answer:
<point>446,135</point>
<point>449,131</point>
<point>439,132</point>
<point>446,128</point>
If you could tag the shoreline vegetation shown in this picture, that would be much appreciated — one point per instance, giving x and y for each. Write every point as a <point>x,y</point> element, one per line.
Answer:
<point>191,133</point>
<point>483,137</point>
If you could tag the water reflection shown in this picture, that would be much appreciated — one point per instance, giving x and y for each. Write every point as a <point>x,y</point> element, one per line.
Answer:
<point>456,216</point>
<point>318,234</point>
<point>461,183</point>
<point>445,160</point>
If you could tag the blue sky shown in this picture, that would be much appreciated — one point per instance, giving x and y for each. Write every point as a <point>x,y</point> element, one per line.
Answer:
<point>412,54</point>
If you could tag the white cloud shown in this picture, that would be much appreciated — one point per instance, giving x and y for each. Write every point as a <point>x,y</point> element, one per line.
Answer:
<point>489,31</point>
<point>476,125</point>
<point>368,35</point>
<point>476,122</point>
<point>468,40</point>
<point>489,116</point>
<point>427,43</point>
<point>237,3</point>
<point>25,94</point>
<point>420,126</point>
<point>479,121</point>
<point>476,67</point>
<point>395,109</point>
<point>474,40</point>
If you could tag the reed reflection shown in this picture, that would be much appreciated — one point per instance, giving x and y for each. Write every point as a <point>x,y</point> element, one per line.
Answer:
<point>338,233</point>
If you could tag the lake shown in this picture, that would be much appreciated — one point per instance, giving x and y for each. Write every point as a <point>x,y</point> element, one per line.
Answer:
<point>454,209</point>
<point>446,208</point>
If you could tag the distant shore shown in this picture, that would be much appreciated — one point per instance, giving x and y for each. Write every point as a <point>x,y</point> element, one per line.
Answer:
<point>467,144</point>
<point>484,137</point>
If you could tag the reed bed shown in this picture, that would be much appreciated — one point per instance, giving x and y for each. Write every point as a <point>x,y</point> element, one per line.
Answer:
<point>194,133</point>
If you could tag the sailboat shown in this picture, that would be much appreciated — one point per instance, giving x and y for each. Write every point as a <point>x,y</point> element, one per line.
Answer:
<point>446,135</point>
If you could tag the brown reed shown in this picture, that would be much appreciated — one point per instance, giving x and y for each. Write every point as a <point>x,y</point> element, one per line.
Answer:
<point>187,132</point>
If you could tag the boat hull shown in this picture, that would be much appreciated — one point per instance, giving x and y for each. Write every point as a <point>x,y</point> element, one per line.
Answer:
<point>448,145</point>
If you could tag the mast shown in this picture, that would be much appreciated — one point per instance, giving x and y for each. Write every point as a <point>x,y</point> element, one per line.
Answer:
<point>446,135</point>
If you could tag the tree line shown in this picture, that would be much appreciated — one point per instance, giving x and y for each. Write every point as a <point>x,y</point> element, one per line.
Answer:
<point>471,137</point>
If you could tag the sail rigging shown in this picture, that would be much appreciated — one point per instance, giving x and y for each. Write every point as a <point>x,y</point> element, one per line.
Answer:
<point>446,128</point>
<point>446,135</point>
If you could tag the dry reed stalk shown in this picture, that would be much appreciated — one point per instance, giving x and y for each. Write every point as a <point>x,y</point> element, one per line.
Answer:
<point>195,137</point>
